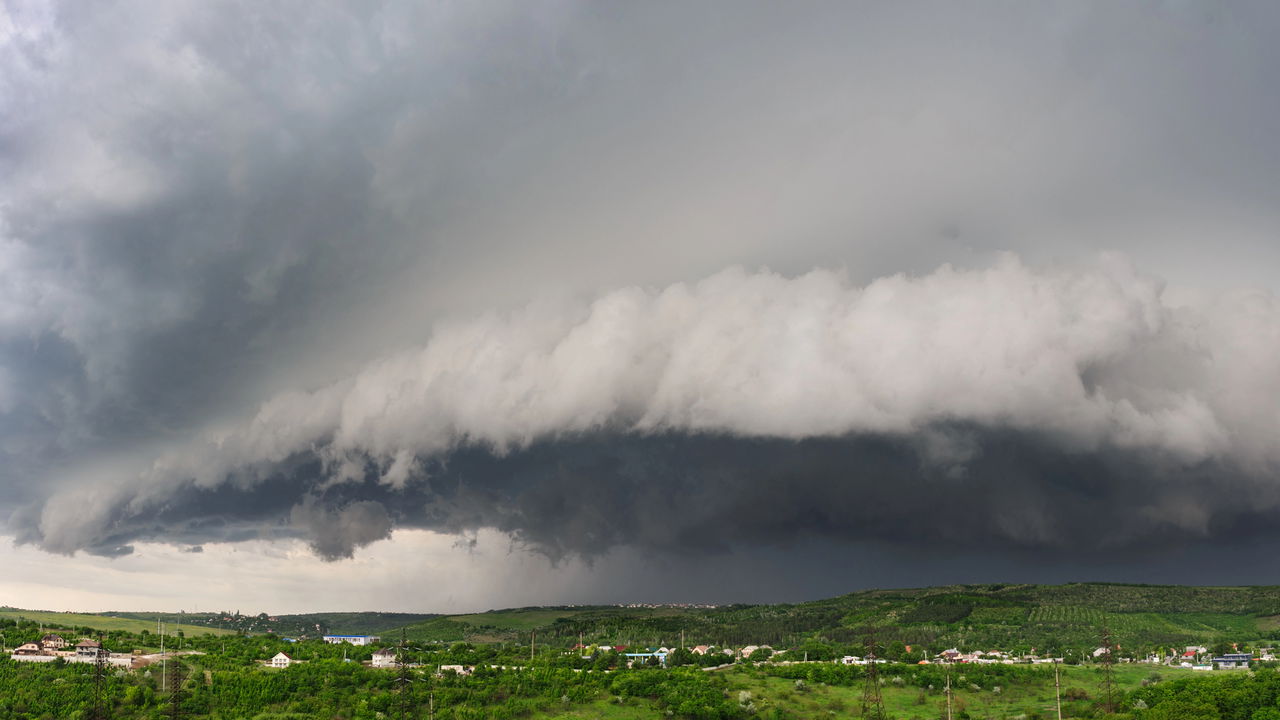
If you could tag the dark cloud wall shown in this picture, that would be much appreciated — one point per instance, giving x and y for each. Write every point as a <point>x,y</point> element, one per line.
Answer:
<point>290,269</point>
<point>1004,407</point>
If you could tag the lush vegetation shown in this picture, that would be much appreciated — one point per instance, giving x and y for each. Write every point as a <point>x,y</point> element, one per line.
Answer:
<point>311,624</point>
<point>87,622</point>
<point>223,676</point>
<point>1065,620</point>
<point>1054,618</point>
<point>229,682</point>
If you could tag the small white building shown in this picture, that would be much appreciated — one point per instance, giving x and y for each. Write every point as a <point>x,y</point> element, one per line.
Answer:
<point>280,660</point>
<point>460,669</point>
<point>384,658</point>
<point>353,639</point>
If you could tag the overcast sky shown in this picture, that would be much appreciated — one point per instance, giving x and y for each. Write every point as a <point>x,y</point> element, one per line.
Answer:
<point>451,306</point>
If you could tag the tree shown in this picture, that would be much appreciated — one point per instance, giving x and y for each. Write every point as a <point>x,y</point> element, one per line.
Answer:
<point>1183,710</point>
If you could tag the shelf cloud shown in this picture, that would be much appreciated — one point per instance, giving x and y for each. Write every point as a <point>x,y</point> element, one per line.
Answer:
<point>1037,403</point>
<point>640,280</point>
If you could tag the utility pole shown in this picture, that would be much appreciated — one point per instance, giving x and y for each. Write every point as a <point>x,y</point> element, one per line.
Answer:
<point>872,702</point>
<point>1108,677</point>
<point>532,636</point>
<point>175,692</point>
<point>948,691</point>
<point>1057,687</point>
<point>164,666</point>
<point>403,680</point>
<point>99,676</point>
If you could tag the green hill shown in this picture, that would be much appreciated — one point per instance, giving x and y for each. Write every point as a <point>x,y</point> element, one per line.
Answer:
<point>70,622</point>
<point>309,625</point>
<point>1057,617</point>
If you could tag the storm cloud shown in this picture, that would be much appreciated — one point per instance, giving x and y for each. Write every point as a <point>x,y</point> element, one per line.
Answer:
<point>663,278</point>
<point>749,406</point>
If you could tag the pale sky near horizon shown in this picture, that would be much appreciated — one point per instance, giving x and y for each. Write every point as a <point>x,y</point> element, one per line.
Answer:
<point>453,306</point>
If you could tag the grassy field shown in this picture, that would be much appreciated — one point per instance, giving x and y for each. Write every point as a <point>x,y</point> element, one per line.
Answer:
<point>494,626</point>
<point>1053,618</point>
<point>69,621</point>
<point>913,703</point>
<point>769,694</point>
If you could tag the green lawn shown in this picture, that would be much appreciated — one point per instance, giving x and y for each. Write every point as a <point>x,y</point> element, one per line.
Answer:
<point>68,621</point>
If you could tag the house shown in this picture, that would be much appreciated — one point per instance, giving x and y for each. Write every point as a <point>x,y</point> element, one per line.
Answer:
<point>701,649</point>
<point>53,642</point>
<point>353,639</point>
<point>280,660</point>
<point>32,652</point>
<point>643,658</point>
<point>952,655</point>
<point>384,658</point>
<point>88,649</point>
<point>850,660</point>
<point>459,669</point>
<point>1233,660</point>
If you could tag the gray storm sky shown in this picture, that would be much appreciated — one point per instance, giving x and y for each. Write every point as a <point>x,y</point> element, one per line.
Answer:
<point>515,303</point>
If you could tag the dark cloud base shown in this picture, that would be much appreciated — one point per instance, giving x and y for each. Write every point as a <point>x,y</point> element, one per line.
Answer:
<point>690,495</point>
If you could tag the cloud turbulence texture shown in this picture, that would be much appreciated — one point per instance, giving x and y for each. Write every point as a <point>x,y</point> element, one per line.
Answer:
<point>965,382</point>
<point>669,278</point>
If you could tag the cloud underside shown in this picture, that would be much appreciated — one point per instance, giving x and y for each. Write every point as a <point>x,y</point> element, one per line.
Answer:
<point>708,494</point>
<point>1073,411</point>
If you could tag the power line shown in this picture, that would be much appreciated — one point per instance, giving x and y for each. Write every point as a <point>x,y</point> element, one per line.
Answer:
<point>1108,676</point>
<point>99,678</point>
<point>872,702</point>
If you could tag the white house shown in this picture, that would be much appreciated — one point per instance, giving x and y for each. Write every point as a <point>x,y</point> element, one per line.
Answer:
<point>384,658</point>
<point>280,660</point>
<point>460,669</point>
<point>353,639</point>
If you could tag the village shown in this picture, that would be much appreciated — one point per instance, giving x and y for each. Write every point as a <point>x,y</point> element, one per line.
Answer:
<point>52,647</point>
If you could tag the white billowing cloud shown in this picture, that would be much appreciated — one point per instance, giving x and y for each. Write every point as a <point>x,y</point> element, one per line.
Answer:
<point>1090,359</point>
